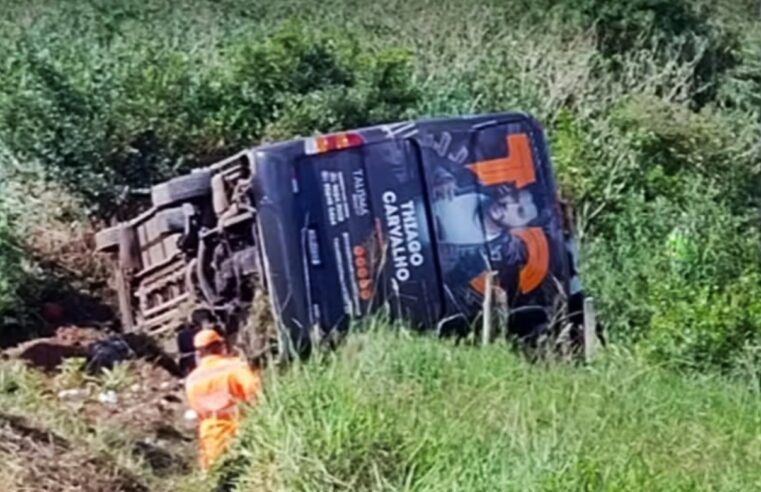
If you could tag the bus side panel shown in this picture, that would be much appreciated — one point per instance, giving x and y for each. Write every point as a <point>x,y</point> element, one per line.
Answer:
<point>411,280</point>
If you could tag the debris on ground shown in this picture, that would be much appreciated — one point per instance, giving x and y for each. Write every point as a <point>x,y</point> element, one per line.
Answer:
<point>118,382</point>
<point>190,415</point>
<point>73,394</point>
<point>100,349</point>
<point>105,354</point>
<point>153,402</point>
<point>108,398</point>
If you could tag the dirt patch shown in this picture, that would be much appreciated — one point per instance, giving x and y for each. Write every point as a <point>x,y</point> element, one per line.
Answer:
<point>153,401</point>
<point>148,411</point>
<point>146,407</point>
<point>48,353</point>
<point>36,459</point>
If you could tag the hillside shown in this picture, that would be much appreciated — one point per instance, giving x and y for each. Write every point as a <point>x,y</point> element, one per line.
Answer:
<point>651,107</point>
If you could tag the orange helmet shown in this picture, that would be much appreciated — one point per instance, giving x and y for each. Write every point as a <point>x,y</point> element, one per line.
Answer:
<point>206,337</point>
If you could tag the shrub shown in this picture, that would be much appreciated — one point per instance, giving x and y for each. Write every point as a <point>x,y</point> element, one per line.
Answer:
<point>621,25</point>
<point>672,143</point>
<point>702,327</point>
<point>741,87</point>
<point>624,26</point>
<point>665,200</point>
<point>11,252</point>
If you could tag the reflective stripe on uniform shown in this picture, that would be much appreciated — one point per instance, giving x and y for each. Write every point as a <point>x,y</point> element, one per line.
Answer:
<point>203,373</point>
<point>216,404</point>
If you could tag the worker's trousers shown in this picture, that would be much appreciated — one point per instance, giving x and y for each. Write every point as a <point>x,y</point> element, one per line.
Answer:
<point>214,435</point>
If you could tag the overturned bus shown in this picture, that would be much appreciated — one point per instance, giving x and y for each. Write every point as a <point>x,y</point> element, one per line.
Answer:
<point>414,219</point>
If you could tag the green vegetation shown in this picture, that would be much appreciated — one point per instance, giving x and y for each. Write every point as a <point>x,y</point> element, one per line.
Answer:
<point>392,411</point>
<point>9,266</point>
<point>104,101</point>
<point>652,108</point>
<point>395,411</point>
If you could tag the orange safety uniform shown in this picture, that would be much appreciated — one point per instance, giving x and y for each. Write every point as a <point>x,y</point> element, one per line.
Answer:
<point>214,389</point>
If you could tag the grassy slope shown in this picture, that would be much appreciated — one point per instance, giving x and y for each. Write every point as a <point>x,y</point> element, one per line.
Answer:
<point>405,413</point>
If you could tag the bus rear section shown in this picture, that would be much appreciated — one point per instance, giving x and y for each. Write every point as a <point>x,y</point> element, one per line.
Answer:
<point>409,219</point>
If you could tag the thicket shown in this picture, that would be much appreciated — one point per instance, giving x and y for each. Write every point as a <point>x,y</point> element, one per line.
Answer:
<point>652,108</point>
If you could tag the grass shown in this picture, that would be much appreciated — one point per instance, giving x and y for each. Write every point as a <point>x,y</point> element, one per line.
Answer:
<point>393,412</point>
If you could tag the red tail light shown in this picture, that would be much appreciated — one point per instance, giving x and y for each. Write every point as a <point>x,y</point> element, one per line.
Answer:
<point>327,143</point>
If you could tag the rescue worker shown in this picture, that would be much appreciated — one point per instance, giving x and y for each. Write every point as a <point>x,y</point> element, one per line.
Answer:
<point>214,389</point>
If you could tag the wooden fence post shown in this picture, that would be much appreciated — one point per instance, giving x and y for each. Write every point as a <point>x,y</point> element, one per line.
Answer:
<point>590,329</point>
<point>486,331</point>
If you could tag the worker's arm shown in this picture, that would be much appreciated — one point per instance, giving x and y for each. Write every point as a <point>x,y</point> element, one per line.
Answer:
<point>246,384</point>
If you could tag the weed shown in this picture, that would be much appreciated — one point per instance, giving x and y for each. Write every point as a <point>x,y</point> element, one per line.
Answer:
<point>116,379</point>
<point>413,413</point>
<point>71,374</point>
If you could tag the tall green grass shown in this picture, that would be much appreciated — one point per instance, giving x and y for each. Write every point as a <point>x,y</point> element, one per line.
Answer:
<point>397,412</point>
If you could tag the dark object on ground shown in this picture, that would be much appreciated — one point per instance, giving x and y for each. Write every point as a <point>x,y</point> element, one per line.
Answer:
<point>107,353</point>
<point>48,353</point>
<point>187,356</point>
<point>147,348</point>
<point>159,459</point>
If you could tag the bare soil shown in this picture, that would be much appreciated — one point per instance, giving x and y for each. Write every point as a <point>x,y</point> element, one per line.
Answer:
<point>36,459</point>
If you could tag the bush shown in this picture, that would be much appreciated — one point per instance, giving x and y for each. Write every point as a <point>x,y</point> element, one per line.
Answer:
<point>624,26</point>
<point>673,143</point>
<point>741,87</point>
<point>11,252</point>
<point>620,26</point>
<point>666,203</point>
<point>702,327</point>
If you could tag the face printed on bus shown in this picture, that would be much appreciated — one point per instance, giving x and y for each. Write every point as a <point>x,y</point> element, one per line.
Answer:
<point>513,210</point>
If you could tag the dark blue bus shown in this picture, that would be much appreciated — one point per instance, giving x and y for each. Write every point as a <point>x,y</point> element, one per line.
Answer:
<point>407,219</point>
